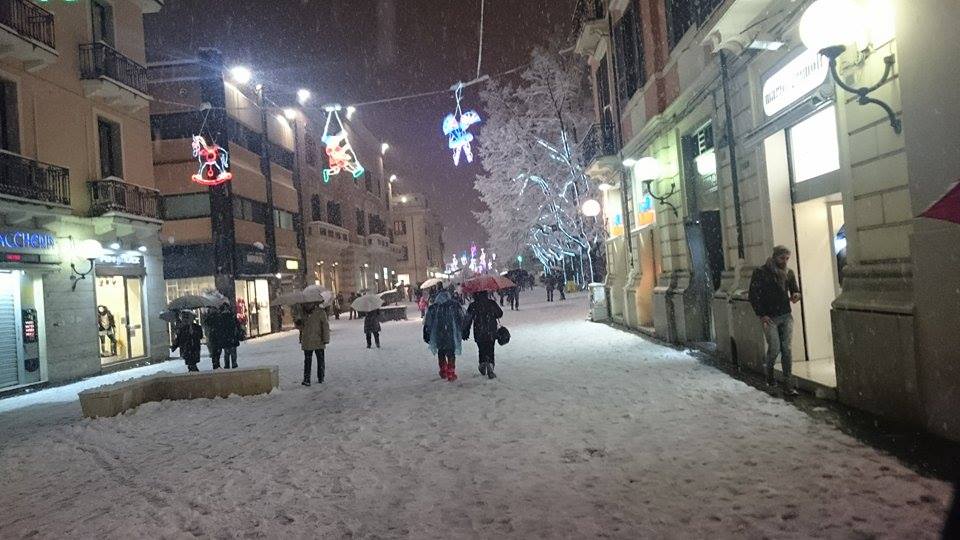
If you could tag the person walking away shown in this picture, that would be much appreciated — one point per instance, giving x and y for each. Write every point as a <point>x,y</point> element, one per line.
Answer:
<point>548,283</point>
<point>337,305</point>
<point>515,299</point>
<point>353,312</point>
<point>442,328</point>
<point>314,336</point>
<point>371,326</point>
<point>561,288</point>
<point>187,338</point>
<point>502,293</point>
<point>483,314</point>
<point>773,287</point>
<point>423,304</point>
<point>223,336</point>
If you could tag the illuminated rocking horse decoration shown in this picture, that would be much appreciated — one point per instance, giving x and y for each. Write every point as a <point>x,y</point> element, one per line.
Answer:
<point>456,126</point>
<point>214,162</point>
<point>340,154</point>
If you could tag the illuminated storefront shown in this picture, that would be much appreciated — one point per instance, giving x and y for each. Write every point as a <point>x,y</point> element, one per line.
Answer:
<point>120,306</point>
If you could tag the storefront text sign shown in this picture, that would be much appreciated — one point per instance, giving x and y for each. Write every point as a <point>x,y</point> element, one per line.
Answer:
<point>798,78</point>
<point>16,240</point>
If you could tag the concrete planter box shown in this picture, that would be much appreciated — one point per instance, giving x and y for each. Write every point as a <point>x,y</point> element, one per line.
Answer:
<point>114,399</point>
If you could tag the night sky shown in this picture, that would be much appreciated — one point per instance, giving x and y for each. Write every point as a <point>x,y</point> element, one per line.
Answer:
<point>352,51</point>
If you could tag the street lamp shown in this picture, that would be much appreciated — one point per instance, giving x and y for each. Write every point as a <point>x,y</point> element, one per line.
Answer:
<point>241,74</point>
<point>829,26</point>
<point>350,110</point>
<point>383,148</point>
<point>393,178</point>
<point>590,208</point>
<point>303,96</point>
<point>646,170</point>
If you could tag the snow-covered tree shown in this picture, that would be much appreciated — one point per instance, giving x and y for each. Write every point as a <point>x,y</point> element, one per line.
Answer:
<point>533,182</point>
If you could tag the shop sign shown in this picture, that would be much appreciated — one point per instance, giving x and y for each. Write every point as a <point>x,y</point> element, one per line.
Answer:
<point>21,240</point>
<point>120,264</point>
<point>256,258</point>
<point>120,259</point>
<point>789,84</point>
<point>292,264</point>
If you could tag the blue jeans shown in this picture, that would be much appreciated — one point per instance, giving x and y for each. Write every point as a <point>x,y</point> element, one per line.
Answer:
<point>779,334</point>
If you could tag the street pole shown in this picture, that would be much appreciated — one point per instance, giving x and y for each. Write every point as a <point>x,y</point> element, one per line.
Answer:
<point>299,223</point>
<point>270,233</point>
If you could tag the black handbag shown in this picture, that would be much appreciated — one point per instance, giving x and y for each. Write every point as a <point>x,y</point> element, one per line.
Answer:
<point>503,335</point>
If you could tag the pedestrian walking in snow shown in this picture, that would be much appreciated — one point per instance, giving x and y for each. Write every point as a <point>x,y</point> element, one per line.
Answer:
<point>773,287</point>
<point>442,328</point>
<point>423,304</point>
<point>548,283</point>
<point>353,312</point>
<point>561,288</point>
<point>314,329</point>
<point>371,326</point>
<point>483,314</point>
<point>337,305</point>
<point>513,294</point>
<point>223,336</point>
<point>187,338</point>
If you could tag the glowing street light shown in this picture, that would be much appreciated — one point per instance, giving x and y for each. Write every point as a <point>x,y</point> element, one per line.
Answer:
<point>290,113</point>
<point>591,208</point>
<point>241,74</point>
<point>303,96</point>
<point>393,178</point>
<point>383,148</point>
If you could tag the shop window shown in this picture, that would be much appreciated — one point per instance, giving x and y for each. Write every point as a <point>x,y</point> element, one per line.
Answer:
<point>316,208</point>
<point>310,150</point>
<point>111,154</point>
<point>9,119</point>
<point>283,220</point>
<point>334,214</point>
<point>629,39</point>
<point>119,315</point>
<point>102,18</point>
<point>814,146</point>
<point>250,210</point>
<point>193,205</point>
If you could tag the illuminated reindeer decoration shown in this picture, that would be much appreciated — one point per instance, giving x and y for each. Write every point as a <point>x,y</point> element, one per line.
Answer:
<point>214,162</point>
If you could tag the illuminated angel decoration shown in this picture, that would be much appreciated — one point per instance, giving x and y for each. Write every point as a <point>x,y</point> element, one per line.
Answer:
<point>456,126</point>
<point>214,162</point>
<point>340,154</point>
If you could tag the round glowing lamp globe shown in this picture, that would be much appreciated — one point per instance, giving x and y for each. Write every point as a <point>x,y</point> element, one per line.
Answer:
<point>647,168</point>
<point>591,208</point>
<point>830,25</point>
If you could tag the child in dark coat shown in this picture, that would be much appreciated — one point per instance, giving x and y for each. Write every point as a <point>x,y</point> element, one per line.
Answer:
<point>187,339</point>
<point>371,326</point>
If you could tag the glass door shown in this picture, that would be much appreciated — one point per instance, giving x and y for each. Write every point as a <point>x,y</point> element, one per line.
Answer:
<point>135,332</point>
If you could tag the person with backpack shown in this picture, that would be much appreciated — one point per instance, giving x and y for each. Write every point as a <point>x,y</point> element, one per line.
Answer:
<point>187,338</point>
<point>483,314</point>
<point>442,327</point>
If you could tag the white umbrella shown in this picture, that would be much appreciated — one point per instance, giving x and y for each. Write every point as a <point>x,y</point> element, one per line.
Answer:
<point>431,283</point>
<point>367,303</point>
<point>315,295</point>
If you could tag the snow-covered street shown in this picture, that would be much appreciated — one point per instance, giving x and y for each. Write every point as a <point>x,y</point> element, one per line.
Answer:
<point>588,432</point>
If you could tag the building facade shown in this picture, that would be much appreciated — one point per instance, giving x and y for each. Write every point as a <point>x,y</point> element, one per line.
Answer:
<point>714,117</point>
<point>80,268</point>
<point>350,247</point>
<point>420,232</point>
<point>240,237</point>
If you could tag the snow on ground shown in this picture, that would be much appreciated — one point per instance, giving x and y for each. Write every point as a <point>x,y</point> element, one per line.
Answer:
<point>589,431</point>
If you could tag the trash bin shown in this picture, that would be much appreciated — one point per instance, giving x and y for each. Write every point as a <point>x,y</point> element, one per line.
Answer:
<point>598,302</point>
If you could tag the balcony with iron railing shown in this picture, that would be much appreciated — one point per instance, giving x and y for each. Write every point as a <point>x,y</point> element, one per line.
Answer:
<point>27,33</point>
<point>598,143</point>
<point>113,195</point>
<point>109,75</point>
<point>33,181</point>
<point>328,232</point>
<point>589,19</point>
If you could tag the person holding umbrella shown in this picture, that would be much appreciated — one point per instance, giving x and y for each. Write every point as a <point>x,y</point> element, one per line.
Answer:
<point>187,338</point>
<point>483,315</point>
<point>371,326</point>
<point>442,327</point>
<point>314,329</point>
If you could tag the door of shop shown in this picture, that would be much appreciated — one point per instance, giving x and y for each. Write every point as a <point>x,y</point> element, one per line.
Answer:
<point>120,318</point>
<point>803,170</point>
<point>9,349</point>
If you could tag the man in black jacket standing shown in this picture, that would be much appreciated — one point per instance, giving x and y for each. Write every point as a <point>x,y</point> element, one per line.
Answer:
<point>773,287</point>
<point>483,314</point>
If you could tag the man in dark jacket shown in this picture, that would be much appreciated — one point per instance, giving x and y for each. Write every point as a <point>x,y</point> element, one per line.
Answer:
<point>483,314</point>
<point>773,287</point>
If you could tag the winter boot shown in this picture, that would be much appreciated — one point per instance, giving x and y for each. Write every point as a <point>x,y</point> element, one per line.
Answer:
<point>452,370</point>
<point>490,373</point>
<point>443,369</point>
<point>483,368</point>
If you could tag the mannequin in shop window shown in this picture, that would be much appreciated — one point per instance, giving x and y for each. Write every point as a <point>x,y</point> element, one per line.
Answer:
<point>108,331</point>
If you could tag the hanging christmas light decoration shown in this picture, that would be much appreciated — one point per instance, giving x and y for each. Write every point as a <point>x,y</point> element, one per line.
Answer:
<point>456,126</point>
<point>214,162</point>
<point>340,154</point>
